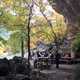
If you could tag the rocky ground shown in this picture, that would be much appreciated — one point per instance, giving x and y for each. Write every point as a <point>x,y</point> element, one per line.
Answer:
<point>15,69</point>
<point>65,72</point>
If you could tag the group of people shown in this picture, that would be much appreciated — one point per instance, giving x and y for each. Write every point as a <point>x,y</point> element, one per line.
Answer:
<point>57,57</point>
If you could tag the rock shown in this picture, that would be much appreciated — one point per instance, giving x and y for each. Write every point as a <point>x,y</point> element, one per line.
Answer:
<point>69,8</point>
<point>4,67</point>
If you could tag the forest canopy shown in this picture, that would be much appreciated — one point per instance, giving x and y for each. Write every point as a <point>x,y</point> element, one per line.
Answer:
<point>14,17</point>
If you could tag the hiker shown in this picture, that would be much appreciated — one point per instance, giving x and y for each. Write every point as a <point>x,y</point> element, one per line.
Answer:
<point>57,59</point>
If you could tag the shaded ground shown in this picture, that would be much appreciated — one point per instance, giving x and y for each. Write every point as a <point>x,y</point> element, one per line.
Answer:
<point>17,69</point>
<point>65,72</point>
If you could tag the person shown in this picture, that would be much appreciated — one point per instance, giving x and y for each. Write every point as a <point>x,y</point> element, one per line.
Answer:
<point>57,59</point>
<point>52,58</point>
<point>38,54</point>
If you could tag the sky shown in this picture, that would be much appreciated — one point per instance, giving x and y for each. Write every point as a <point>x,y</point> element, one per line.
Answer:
<point>48,10</point>
<point>36,10</point>
<point>4,33</point>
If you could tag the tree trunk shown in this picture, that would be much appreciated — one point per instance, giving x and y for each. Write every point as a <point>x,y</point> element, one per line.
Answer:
<point>28,43</point>
<point>28,27</point>
<point>22,47</point>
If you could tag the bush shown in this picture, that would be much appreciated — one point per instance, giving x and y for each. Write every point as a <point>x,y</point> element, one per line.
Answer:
<point>76,45</point>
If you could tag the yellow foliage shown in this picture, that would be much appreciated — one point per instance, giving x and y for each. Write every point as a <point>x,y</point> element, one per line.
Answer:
<point>8,2</point>
<point>2,50</point>
<point>44,33</point>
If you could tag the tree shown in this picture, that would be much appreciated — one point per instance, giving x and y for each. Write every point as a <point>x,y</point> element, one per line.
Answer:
<point>14,17</point>
<point>28,29</point>
<point>57,39</point>
<point>76,45</point>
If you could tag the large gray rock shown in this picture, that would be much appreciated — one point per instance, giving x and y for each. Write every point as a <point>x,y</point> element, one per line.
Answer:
<point>69,8</point>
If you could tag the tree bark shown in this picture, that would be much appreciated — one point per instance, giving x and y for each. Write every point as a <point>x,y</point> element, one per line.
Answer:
<point>22,47</point>
<point>28,43</point>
